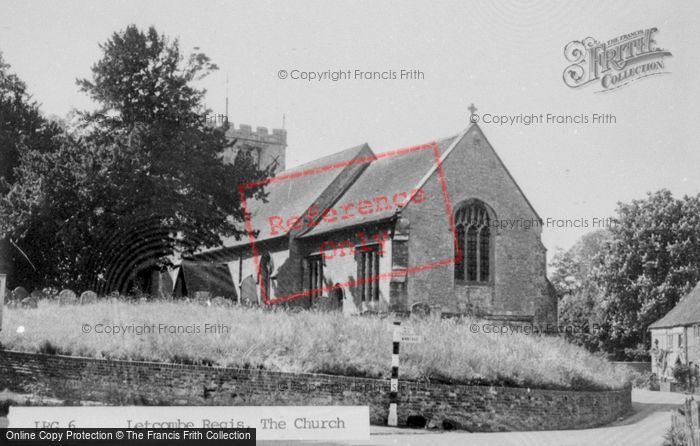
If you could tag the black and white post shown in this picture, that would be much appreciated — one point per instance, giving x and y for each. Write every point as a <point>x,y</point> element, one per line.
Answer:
<point>394,386</point>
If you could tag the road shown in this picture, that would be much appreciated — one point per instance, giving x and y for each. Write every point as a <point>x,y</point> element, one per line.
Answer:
<point>645,426</point>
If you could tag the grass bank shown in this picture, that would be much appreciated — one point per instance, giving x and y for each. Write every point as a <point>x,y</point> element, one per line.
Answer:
<point>303,342</point>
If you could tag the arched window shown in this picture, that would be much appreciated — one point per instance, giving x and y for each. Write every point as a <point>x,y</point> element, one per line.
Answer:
<point>473,253</point>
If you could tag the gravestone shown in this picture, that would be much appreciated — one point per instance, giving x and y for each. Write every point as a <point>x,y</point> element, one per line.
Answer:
<point>51,293</point>
<point>88,297</point>
<point>39,295</point>
<point>114,296</point>
<point>436,310</point>
<point>420,309</point>
<point>249,291</point>
<point>202,296</point>
<point>67,297</point>
<point>220,301</point>
<point>19,294</point>
<point>29,302</point>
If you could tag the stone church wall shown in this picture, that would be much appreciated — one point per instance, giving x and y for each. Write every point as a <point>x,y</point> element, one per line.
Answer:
<point>472,171</point>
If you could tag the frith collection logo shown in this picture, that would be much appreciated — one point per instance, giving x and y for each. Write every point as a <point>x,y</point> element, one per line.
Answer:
<point>615,63</point>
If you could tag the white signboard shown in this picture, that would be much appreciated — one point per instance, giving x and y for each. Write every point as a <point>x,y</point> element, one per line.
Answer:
<point>408,335</point>
<point>405,334</point>
<point>270,422</point>
<point>411,338</point>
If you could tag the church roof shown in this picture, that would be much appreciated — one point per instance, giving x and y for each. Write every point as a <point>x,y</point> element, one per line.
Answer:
<point>385,176</point>
<point>686,312</point>
<point>293,191</point>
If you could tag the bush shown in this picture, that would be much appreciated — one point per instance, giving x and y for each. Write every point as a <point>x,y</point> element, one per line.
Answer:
<point>653,382</point>
<point>639,353</point>
<point>674,437</point>
<point>639,380</point>
<point>47,348</point>
<point>681,373</point>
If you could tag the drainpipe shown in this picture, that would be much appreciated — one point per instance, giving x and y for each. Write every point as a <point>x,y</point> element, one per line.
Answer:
<point>685,347</point>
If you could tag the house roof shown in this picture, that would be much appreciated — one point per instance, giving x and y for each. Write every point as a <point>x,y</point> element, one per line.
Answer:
<point>389,174</point>
<point>686,312</point>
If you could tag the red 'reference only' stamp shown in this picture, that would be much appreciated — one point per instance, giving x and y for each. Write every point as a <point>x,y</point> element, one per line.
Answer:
<point>351,215</point>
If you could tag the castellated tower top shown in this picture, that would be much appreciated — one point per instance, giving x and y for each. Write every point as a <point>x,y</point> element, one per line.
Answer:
<point>266,148</point>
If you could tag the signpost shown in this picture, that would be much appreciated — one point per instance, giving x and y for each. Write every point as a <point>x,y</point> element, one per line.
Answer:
<point>394,388</point>
<point>405,334</point>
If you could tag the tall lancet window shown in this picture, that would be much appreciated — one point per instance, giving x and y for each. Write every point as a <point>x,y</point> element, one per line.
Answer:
<point>473,258</point>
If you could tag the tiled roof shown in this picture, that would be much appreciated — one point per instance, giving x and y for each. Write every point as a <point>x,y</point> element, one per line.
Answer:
<point>293,191</point>
<point>385,176</point>
<point>334,181</point>
<point>686,312</point>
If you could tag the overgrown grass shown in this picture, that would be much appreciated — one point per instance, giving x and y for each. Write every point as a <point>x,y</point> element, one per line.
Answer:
<point>308,342</point>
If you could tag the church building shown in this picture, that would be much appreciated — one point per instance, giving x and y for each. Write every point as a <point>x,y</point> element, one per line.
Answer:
<point>441,226</point>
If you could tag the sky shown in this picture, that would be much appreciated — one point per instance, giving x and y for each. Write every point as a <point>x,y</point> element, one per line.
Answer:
<point>506,57</point>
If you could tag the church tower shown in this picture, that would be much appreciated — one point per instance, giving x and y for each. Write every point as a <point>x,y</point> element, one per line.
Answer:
<point>266,149</point>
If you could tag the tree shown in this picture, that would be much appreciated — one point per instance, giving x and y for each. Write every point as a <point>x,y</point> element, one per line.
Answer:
<point>651,260</point>
<point>22,129</point>
<point>572,269</point>
<point>143,179</point>
<point>573,278</point>
<point>22,126</point>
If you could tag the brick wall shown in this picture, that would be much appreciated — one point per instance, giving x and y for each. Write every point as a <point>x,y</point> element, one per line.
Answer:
<point>643,367</point>
<point>474,408</point>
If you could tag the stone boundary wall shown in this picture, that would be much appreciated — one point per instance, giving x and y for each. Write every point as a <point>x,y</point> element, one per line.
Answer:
<point>643,367</point>
<point>474,408</point>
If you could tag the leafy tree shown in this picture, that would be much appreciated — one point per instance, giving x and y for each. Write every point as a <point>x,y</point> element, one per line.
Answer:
<point>573,278</point>
<point>572,269</point>
<point>650,262</point>
<point>22,126</point>
<point>613,284</point>
<point>144,178</point>
<point>22,129</point>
